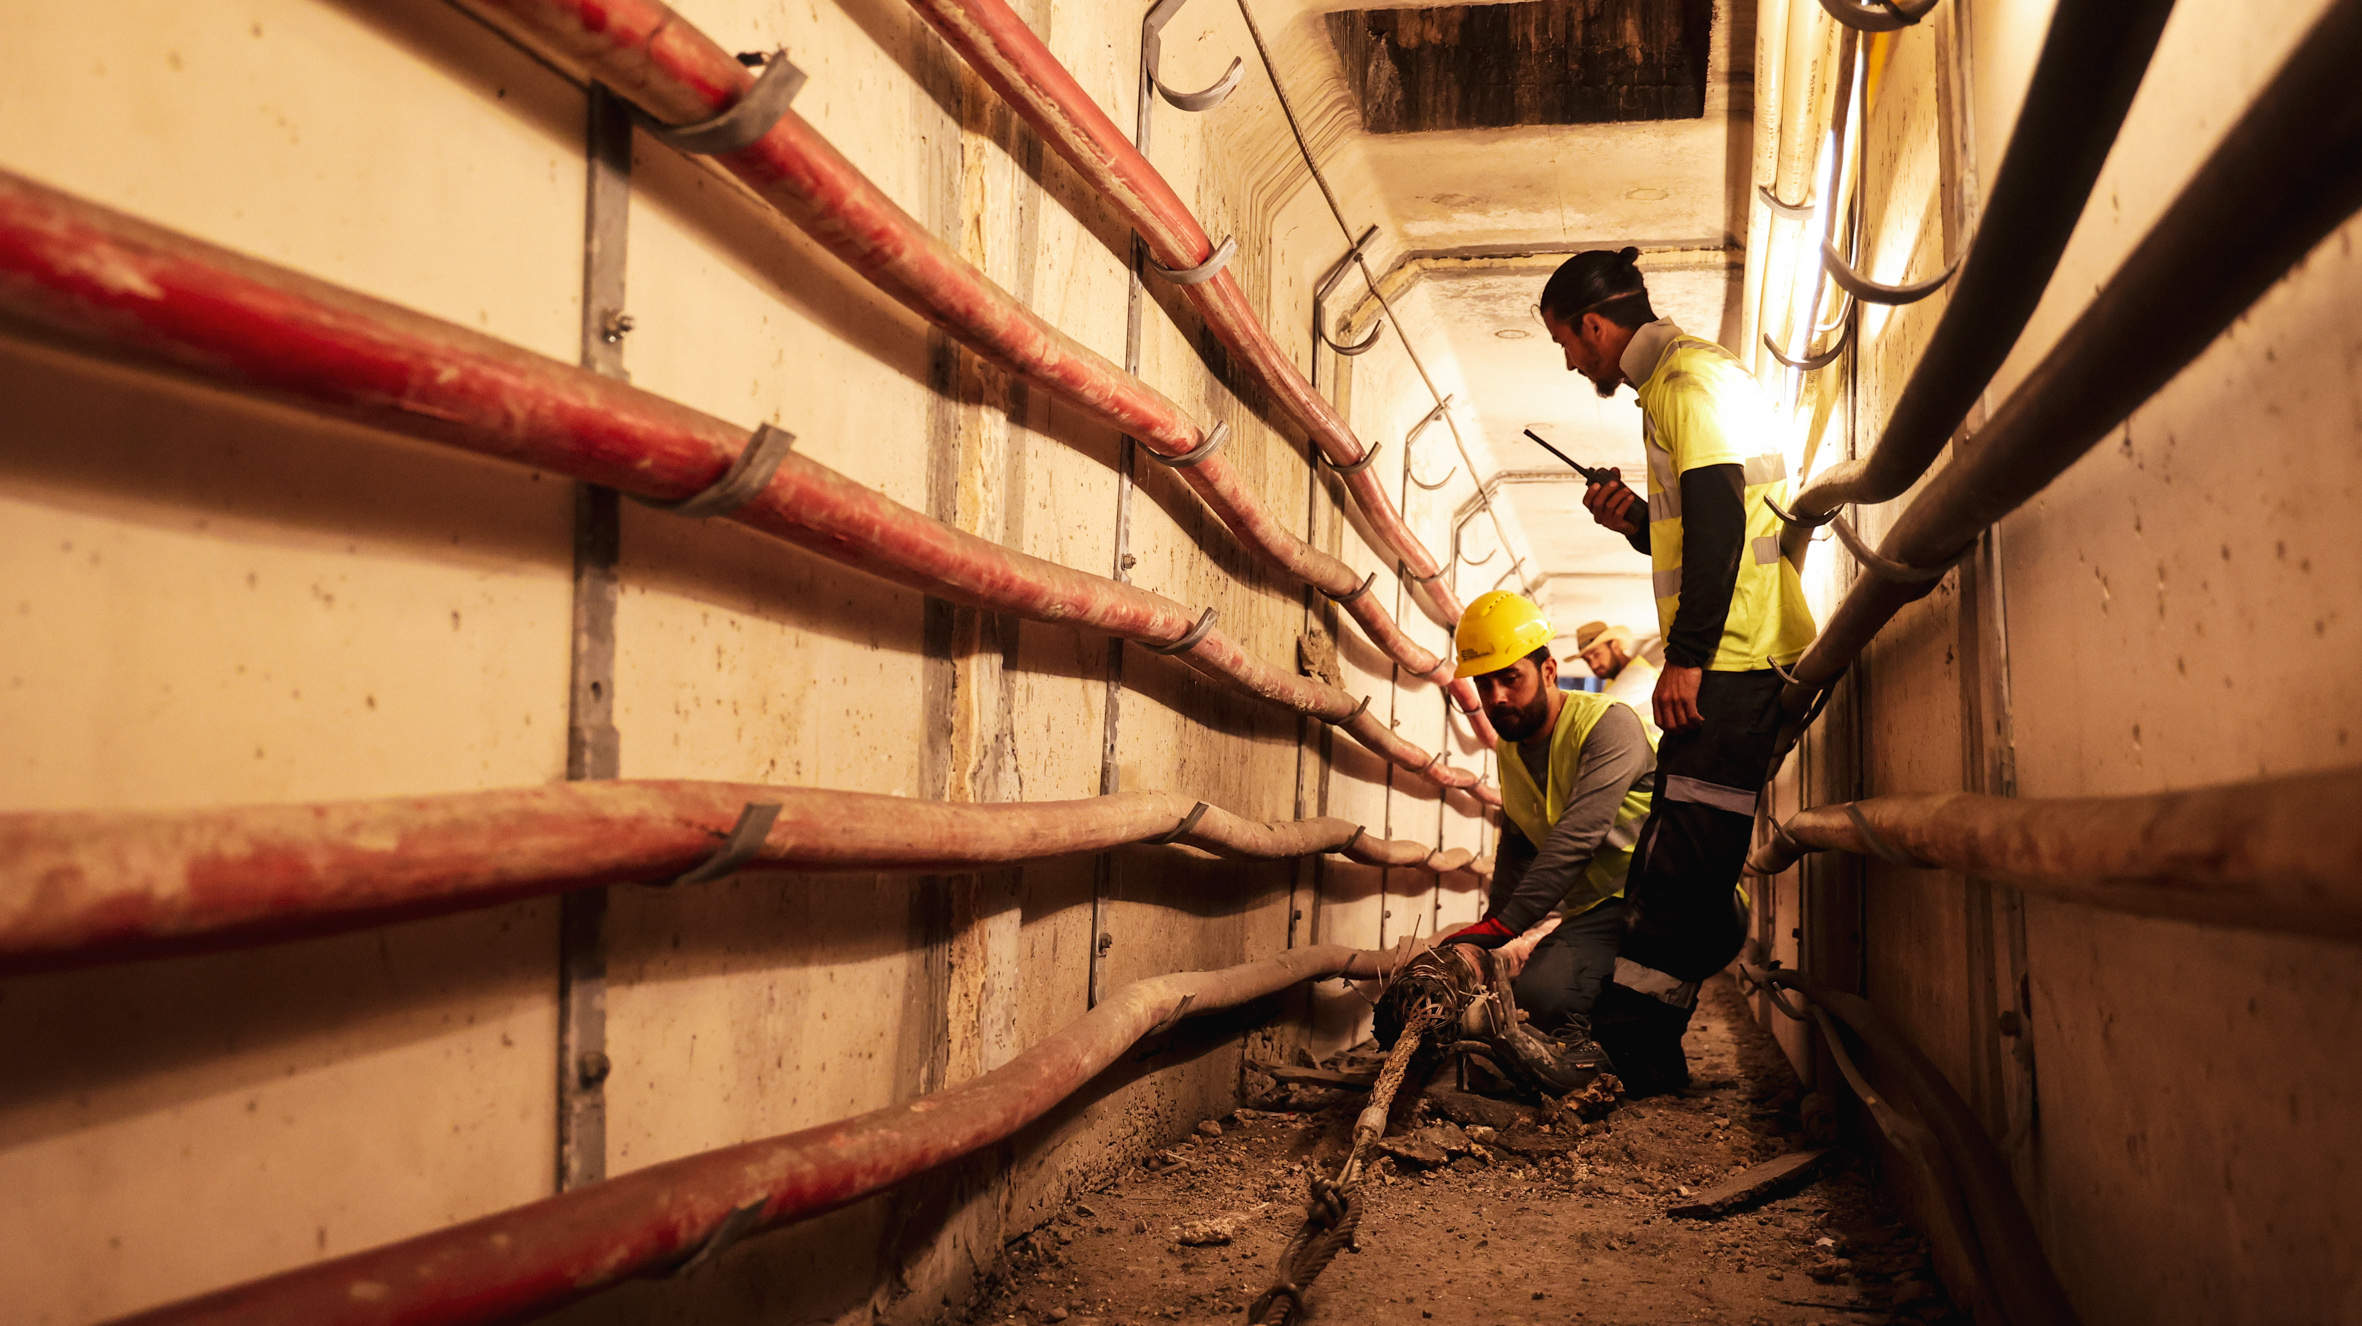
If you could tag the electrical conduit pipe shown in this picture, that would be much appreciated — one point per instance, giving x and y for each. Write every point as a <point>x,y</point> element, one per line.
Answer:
<point>1006,53</point>
<point>79,270</point>
<point>2282,854</point>
<point>674,73</point>
<point>2091,63</point>
<point>79,887</point>
<point>535,1258</point>
<point>2285,175</point>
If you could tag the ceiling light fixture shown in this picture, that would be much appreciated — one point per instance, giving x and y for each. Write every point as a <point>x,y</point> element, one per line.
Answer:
<point>1513,333</point>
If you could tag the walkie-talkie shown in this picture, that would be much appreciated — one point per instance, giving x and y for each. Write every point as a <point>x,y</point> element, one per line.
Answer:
<point>1589,475</point>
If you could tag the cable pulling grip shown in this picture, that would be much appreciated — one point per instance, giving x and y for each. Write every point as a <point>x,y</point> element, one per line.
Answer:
<point>1181,830</point>
<point>1204,271</point>
<point>745,480</point>
<point>741,126</point>
<point>1203,451</point>
<point>1189,641</point>
<point>745,840</point>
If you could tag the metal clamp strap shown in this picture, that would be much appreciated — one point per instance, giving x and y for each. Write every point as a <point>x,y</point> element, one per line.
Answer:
<point>741,126</point>
<point>1790,517</point>
<point>1884,850</point>
<point>745,840</point>
<point>1357,712</point>
<point>1203,451</point>
<point>1189,641</point>
<point>1173,1019</point>
<point>1347,846</point>
<point>734,1227</point>
<point>1351,595</point>
<point>745,480</point>
<point>1181,830</point>
<point>1351,467</point>
<point>1429,580</point>
<point>1204,271</point>
<point>1886,568</point>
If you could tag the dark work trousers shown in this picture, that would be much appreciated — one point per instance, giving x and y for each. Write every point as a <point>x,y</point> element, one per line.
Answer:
<point>1561,979</point>
<point>1695,842</point>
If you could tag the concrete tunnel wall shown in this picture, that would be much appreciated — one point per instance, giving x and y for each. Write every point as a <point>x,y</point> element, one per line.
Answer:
<point>2176,611</point>
<point>220,602</point>
<point>217,602</point>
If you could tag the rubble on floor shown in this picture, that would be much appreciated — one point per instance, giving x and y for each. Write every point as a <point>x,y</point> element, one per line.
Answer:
<point>1483,1211</point>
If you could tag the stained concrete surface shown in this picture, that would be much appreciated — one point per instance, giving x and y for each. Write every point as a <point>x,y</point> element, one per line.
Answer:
<point>1495,1237</point>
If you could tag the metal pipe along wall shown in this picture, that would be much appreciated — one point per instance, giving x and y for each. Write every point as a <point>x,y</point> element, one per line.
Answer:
<point>540,1256</point>
<point>670,69</point>
<point>71,268</point>
<point>79,887</point>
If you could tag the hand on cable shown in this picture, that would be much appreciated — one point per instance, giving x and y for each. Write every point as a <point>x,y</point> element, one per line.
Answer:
<point>1487,933</point>
<point>1676,698</point>
<point>1610,503</point>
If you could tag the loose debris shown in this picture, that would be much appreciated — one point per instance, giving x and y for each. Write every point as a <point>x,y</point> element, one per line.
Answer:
<point>1528,1219</point>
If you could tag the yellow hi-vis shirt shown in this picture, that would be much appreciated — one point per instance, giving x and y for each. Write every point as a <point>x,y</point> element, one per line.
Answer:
<point>1535,810</point>
<point>1698,407</point>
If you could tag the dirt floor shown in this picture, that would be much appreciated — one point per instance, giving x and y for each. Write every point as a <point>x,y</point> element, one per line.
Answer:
<point>1565,1223</point>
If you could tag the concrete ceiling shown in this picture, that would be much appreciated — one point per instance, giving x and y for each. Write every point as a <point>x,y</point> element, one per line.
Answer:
<point>1473,222</point>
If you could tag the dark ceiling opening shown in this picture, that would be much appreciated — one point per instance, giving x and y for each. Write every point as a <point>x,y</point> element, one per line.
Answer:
<point>1491,66</point>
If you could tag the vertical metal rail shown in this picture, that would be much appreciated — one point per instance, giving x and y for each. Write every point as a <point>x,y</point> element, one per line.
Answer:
<point>1103,876</point>
<point>593,747</point>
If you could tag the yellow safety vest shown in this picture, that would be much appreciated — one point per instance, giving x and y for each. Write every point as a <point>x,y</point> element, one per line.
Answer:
<point>1698,408</point>
<point>1536,810</point>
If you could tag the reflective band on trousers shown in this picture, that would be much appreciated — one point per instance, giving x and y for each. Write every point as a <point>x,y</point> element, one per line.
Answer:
<point>1655,984</point>
<point>1736,800</point>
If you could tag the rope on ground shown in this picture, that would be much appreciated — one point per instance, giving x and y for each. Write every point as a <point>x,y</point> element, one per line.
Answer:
<point>1334,1210</point>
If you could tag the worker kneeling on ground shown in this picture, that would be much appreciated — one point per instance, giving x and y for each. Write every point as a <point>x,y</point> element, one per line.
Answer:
<point>1576,768</point>
<point>1732,611</point>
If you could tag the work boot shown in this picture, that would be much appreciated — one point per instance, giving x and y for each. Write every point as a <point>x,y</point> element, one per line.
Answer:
<point>1642,1039</point>
<point>1550,1065</point>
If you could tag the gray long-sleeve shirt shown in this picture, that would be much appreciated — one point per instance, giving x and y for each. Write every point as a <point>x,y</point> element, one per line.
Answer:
<point>1529,881</point>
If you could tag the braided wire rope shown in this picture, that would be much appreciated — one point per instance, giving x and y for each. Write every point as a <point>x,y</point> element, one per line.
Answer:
<point>1333,1212</point>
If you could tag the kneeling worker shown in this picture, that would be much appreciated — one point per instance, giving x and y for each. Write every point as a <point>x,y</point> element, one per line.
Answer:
<point>1576,769</point>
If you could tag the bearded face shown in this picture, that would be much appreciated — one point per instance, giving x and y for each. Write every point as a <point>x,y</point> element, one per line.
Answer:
<point>1517,698</point>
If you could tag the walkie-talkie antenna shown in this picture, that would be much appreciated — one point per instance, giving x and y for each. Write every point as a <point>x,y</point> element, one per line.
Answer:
<point>1589,475</point>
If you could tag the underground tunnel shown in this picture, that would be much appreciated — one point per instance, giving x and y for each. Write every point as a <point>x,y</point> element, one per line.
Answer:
<point>1017,661</point>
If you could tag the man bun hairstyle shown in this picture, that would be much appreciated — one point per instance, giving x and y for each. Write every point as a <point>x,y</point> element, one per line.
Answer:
<point>1602,282</point>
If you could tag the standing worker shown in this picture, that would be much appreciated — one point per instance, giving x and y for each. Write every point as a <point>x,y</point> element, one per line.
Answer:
<point>1573,796</point>
<point>1611,654</point>
<point>1732,611</point>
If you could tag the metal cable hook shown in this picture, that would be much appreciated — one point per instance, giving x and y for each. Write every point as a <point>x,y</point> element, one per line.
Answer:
<point>1810,362</point>
<point>1328,285</point>
<point>1795,211</point>
<point>1152,54</point>
<point>1413,436</point>
<point>1875,292</point>
<point>1883,16</point>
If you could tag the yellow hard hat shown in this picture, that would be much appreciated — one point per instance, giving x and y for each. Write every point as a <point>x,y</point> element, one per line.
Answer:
<point>1496,631</point>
